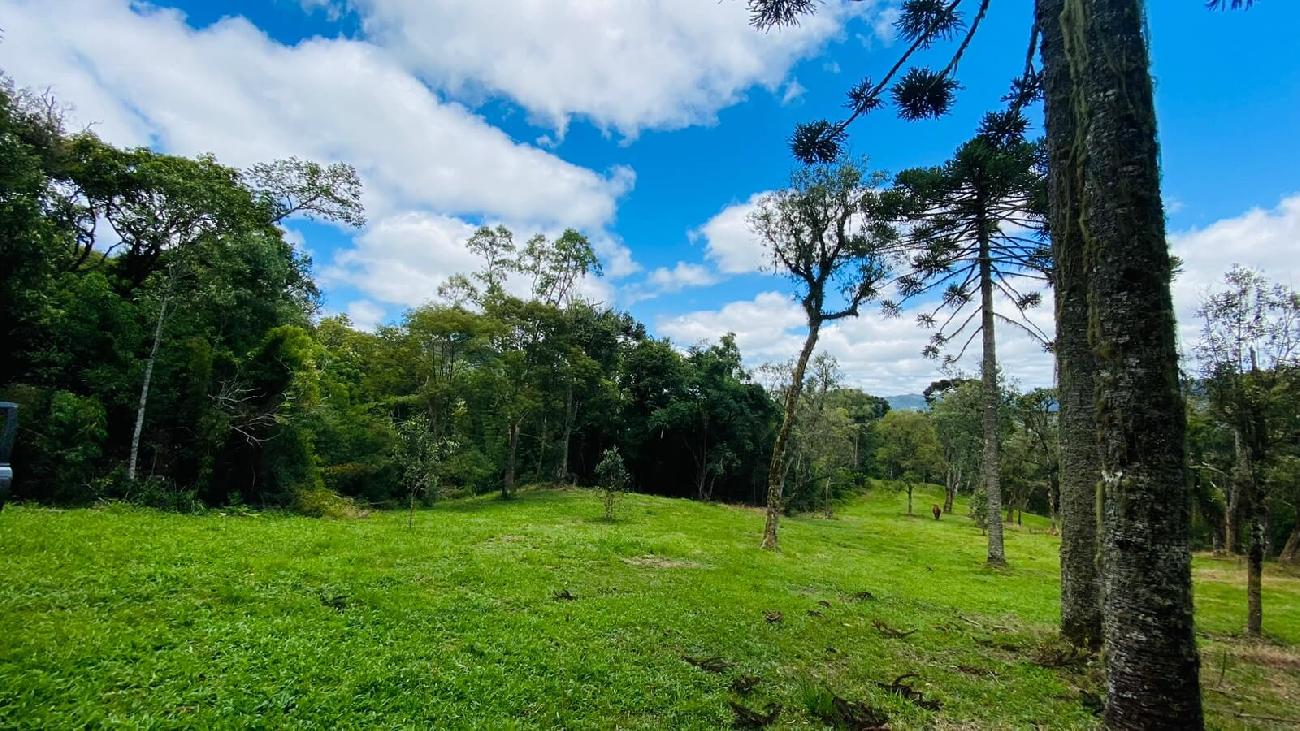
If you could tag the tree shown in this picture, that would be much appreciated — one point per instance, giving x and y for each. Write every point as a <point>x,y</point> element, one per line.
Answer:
<point>612,476</point>
<point>909,449</point>
<point>497,248</point>
<point>1075,362</point>
<point>957,411</point>
<point>826,233</point>
<point>557,266</point>
<point>971,233</point>
<point>284,188</point>
<point>1250,339</point>
<point>294,187</point>
<point>1100,105</point>
<point>1152,662</point>
<point>1038,411</point>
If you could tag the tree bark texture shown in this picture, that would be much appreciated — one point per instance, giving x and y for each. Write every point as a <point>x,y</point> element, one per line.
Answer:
<point>1079,471</point>
<point>991,462</point>
<point>776,472</point>
<point>1149,643</point>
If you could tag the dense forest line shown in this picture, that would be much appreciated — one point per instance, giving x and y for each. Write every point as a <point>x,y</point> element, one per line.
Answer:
<point>166,347</point>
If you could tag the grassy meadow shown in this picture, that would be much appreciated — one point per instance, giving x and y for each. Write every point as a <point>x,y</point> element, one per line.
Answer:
<point>535,613</point>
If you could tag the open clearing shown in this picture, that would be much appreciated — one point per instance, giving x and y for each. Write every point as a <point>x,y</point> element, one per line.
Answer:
<point>535,613</point>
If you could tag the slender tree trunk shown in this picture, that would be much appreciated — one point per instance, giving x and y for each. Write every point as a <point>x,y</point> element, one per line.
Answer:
<point>909,498</point>
<point>508,485</point>
<point>1080,467</point>
<point>1249,455</point>
<point>776,472</point>
<point>1255,573</point>
<point>541,448</point>
<point>1053,502</point>
<point>950,493</point>
<point>1231,537</point>
<point>1149,645</point>
<point>702,464</point>
<point>990,464</point>
<point>144,390</point>
<point>570,416</point>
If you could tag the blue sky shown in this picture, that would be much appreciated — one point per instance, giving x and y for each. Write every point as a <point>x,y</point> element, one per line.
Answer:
<point>648,124</point>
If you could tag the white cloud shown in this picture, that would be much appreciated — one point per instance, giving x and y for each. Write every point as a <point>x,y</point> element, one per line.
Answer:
<point>147,77</point>
<point>1263,239</point>
<point>402,259</point>
<point>883,25</point>
<point>883,355</point>
<point>729,241</point>
<point>764,326</point>
<point>879,354</point>
<point>793,92</point>
<point>625,65</point>
<point>681,276</point>
<point>365,315</point>
<point>144,77</point>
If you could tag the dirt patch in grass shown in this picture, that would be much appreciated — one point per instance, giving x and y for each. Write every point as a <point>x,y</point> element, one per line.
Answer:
<point>662,562</point>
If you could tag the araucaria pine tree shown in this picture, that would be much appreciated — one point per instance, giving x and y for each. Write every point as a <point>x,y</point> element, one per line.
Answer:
<point>974,234</point>
<point>827,233</point>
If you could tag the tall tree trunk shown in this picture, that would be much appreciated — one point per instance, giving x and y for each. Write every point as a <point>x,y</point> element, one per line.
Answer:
<point>508,485</point>
<point>776,472</point>
<point>1250,455</point>
<point>990,464</point>
<point>541,448</point>
<point>1149,639</point>
<point>1231,531</point>
<point>570,416</point>
<point>909,498</point>
<point>1255,568</point>
<point>144,390</point>
<point>1054,502</point>
<point>950,493</point>
<point>1080,469</point>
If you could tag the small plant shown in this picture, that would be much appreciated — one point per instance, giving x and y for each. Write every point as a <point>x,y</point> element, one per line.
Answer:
<point>613,478</point>
<point>421,456</point>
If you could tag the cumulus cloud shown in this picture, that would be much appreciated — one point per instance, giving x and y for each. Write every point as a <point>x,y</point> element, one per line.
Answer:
<point>626,66</point>
<point>147,78</point>
<point>364,314</point>
<point>729,242</point>
<point>142,76</point>
<point>879,354</point>
<point>883,355</point>
<point>1263,239</point>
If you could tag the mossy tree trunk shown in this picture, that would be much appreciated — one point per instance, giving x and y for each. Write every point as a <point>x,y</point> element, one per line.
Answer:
<point>1149,642</point>
<point>776,471</point>
<point>1079,473</point>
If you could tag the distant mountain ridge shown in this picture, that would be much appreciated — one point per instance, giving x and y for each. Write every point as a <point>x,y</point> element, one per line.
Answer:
<point>907,402</point>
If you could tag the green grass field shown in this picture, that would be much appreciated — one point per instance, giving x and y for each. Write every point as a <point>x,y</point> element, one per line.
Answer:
<point>127,617</point>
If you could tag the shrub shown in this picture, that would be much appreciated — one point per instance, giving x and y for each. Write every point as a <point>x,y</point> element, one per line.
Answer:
<point>613,478</point>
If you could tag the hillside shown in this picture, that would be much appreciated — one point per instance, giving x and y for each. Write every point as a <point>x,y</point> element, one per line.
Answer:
<point>534,613</point>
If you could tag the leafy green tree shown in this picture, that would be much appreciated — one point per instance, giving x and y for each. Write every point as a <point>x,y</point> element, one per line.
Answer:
<point>613,479</point>
<point>908,449</point>
<point>956,407</point>
<point>496,246</point>
<point>827,234</point>
<point>1250,340</point>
